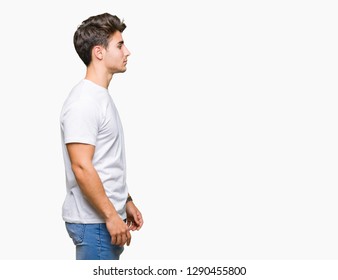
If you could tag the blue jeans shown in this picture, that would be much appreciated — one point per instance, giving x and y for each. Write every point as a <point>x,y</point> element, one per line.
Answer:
<point>93,242</point>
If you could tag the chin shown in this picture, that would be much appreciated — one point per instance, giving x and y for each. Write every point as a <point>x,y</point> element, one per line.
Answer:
<point>120,71</point>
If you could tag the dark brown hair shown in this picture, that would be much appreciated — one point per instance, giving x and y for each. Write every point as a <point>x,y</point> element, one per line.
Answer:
<point>95,31</point>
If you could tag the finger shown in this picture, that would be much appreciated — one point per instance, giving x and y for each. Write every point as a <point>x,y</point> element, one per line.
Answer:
<point>139,216</point>
<point>128,238</point>
<point>133,227</point>
<point>140,221</point>
<point>113,239</point>
<point>123,239</point>
<point>129,223</point>
<point>118,240</point>
<point>136,218</point>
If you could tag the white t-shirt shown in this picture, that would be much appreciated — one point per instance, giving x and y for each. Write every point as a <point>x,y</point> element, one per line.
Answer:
<point>89,116</point>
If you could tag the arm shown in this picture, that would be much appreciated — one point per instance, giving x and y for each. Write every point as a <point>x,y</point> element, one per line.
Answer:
<point>81,156</point>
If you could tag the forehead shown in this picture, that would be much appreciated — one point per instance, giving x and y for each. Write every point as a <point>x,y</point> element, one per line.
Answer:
<point>116,38</point>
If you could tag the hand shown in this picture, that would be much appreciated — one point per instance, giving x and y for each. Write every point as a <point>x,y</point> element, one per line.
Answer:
<point>134,216</point>
<point>119,231</point>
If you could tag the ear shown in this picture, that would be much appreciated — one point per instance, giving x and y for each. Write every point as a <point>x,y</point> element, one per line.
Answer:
<point>97,52</point>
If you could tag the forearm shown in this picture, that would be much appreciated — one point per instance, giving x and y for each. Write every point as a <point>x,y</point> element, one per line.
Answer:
<point>92,188</point>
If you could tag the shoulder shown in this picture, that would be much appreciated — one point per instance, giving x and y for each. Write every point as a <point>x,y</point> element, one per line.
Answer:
<point>86,102</point>
<point>87,94</point>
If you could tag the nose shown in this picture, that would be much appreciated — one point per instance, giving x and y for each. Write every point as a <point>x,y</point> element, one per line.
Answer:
<point>126,51</point>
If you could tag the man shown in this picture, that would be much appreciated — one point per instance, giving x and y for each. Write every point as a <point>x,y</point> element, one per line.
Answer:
<point>98,210</point>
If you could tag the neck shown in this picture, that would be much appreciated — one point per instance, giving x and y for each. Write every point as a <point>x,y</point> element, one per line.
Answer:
<point>97,76</point>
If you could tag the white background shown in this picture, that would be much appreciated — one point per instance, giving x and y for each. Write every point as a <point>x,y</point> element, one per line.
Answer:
<point>230,117</point>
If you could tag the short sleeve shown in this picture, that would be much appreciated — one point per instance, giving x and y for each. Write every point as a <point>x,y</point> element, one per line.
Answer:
<point>80,122</point>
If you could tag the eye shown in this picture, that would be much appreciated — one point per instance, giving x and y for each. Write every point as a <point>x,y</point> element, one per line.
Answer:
<point>119,46</point>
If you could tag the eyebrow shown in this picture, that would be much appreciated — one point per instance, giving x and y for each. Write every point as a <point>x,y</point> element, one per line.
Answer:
<point>120,43</point>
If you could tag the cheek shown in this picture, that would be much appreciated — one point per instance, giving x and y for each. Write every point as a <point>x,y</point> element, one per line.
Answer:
<point>116,56</point>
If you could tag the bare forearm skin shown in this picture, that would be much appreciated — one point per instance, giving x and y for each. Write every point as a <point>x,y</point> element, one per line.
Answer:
<point>92,188</point>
